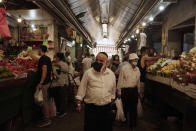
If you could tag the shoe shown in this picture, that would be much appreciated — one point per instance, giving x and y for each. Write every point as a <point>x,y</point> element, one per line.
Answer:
<point>61,115</point>
<point>44,123</point>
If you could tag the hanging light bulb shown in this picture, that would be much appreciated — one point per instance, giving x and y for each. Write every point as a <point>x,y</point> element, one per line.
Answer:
<point>151,18</point>
<point>19,19</point>
<point>132,36</point>
<point>137,31</point>
<point>161,8</point>
<point>143,24</point>
<point>129,39</point>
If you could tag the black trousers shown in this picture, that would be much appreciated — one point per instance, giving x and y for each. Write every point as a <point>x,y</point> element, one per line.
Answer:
<point>129,101</point>
<point>60,95</point>
<point>98,118</point>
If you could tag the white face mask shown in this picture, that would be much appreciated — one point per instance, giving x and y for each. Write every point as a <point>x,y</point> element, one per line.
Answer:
<point>134,63</point>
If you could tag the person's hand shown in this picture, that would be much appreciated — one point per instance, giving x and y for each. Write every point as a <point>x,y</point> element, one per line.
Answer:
<point>79,108</point>
<point>39,86</point>
<point>119,95</point>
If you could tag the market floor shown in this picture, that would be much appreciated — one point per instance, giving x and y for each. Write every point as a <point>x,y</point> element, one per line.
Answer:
<point>74,122</point>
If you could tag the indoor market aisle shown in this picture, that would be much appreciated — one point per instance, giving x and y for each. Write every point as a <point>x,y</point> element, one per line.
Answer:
<point>74,122</point>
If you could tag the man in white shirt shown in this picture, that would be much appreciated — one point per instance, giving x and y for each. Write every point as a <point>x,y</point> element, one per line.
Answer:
<point>128,85</point>
<point>97,88</point>
<point>86,62</point>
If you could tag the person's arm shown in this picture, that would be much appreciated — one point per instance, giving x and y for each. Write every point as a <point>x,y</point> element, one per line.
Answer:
<point>120,82</point>
<point>144,58</point>
<point>43,77</point>
<point>81,91</point>
<point>114,89</point>
<point>34,57</point>
<point>44,73</point>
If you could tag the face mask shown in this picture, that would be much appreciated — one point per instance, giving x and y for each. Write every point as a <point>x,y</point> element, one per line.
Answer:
<point>134,63</point>
<point>116,58</point>
<point>97,66</point>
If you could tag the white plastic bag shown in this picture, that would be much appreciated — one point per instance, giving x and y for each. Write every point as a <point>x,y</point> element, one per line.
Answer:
<point>38,97</point>
<point>139,109</point>
<point>52,108</point>
<point>120,114</point>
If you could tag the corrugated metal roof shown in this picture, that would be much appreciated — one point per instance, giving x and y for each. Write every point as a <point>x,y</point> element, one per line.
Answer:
<point>120,13</point>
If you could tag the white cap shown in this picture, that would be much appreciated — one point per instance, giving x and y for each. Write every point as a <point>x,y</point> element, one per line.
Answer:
<point>133,56</point>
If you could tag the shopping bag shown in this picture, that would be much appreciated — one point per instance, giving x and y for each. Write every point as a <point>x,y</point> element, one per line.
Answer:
<point>120,114</point>
<point>139,109</point>
<point>38,96</point>
<point>52,108</point>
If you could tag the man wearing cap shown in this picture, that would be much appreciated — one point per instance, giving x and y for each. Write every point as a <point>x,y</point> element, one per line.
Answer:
<point>128,87</point>
<point>97,89</point>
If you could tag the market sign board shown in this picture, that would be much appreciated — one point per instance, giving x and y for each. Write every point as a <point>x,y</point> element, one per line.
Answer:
<point>171,1</point>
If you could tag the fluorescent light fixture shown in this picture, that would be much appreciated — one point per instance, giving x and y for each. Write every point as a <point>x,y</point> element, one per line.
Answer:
<point>161,8</point>
<point>105,29</point>
<point>151,18</point>
<point>137,31</point>
<point>132,36</point>
<point>32,26</point>
<point>143,24</point>
<point>19,20</point>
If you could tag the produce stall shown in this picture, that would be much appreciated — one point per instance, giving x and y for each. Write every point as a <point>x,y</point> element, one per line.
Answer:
<point>17,85</point>
<point>170,84</point>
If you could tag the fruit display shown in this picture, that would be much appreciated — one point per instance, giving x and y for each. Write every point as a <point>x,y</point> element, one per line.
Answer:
<point>24,54</point>
<point>27,63</point>
<point>156,66</point>
<point>168,69</point>
<point>185,72</point>
<point>5,73</point>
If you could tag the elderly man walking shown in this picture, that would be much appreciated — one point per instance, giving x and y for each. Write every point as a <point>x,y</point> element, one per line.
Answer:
<point>97,88</point>
<point>128,85</point>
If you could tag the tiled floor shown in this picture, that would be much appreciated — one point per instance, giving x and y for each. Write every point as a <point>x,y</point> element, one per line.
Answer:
<point>74,122</point>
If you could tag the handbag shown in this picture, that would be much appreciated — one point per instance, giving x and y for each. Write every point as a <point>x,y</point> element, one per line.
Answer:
<point>38,96</point>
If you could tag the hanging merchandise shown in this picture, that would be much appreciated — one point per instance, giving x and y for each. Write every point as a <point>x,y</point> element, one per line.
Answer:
<point>74,35</point>
<point>69,32</point>
<point>45,40</point>
<point>142,43</point>
<point>4,30</point>
<point>81,40</point>
<point>77,39</point>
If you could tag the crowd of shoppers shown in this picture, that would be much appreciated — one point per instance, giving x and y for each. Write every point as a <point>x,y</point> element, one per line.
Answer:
<point>102,82</point>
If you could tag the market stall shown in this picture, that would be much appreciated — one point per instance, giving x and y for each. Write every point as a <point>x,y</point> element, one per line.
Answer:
<point>171,86</point>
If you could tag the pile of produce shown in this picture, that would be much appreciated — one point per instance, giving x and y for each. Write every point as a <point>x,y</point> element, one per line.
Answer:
<point>12,68</point>
<point>168,69</point>
<point>186,71</point>
<point>156,66</point>
<point>27,63</point>
<point>5,73</point>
